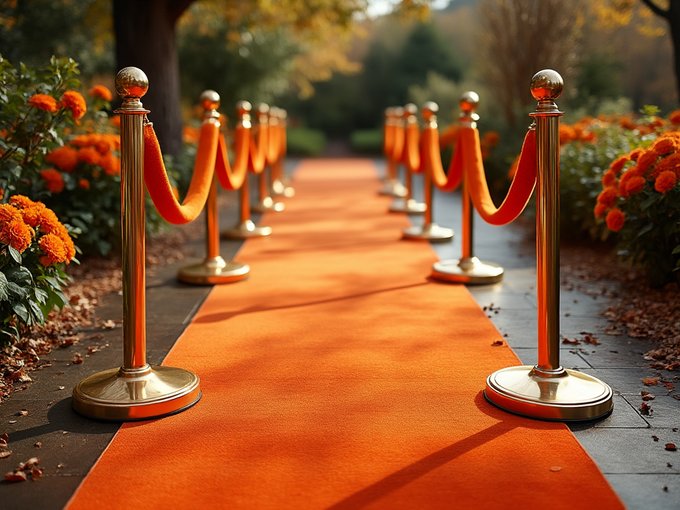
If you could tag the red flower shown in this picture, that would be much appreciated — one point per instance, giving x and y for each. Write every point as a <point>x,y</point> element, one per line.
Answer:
<point>665,181</point>
<point>84,184</point>
<point>65,158</point>
<point>607,197</point>
<point>615,219</point>
<point>73,101</point>
<point>600,209</point>
<point>53,180</point>
<point>635,185</point>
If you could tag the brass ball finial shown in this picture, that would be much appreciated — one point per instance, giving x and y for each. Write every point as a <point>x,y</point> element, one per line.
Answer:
<point>263,108</point>
<point>398,111</point>
<point>546,85</point>
<point>468,101</point>
<point>430,109</point>
<point>410,109</point>
<point>131,82</point>
<point>243,107</point>
<point>210,100</point>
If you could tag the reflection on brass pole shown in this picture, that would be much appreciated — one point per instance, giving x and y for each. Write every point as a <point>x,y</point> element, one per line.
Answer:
<point>468,269</point>
<point>546,390</point>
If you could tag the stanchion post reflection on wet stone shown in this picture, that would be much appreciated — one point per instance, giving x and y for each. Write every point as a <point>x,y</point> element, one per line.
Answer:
<point>408,125</point>
<point>429,230</point>
<point>245,228</point>
<point>136,390</point>
<point>468,269</point>
<point>265,201</point>
<point>214,270</point>
<point>547,390</point>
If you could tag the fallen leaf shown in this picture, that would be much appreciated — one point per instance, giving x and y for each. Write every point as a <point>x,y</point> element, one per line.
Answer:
<point>647,395</point>
<point>651,381</point>
<point>671,447</point>
<point>646,409</point>
<point>5,453</point>
<point>109,324</point>
<point>497,343</point>
<point>15,476</point>
<point>655,439</point>
<point>571,341</point>
<point>38,444</point>
<point>23,412</point>
<point>77,359</point>
<point>555,469</point>
<point>36,473</point>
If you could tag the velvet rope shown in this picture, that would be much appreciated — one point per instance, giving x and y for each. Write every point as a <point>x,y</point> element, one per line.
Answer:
<point>398,143</point>
<point>432,161</point>
<point>258,149</point>
<point>273,144</point>
<point>156,177</point>
<point>388,139</point>
<point>232,177</point>
<point>520,190</point>
<point>412,147</point>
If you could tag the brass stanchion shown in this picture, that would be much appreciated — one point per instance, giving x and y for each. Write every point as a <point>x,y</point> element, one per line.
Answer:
<point>391,185</point>
<point>468,269</point>
<point>214,269</point>
<point>245,228</point>
<point>280,185</point>
<point>547,390</point>
<point>429,230</point>
<point>137,390</point>
<point>408,204</point>
<point>266,202</point>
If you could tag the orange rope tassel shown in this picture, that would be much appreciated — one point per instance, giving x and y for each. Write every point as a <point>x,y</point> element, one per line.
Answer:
<point>156,178</point>
<point>520,190</point>
<point>232,177</point>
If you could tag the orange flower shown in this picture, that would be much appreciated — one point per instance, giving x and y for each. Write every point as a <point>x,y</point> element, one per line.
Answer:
<point>101,92</point>
<point>110,164</point>
<point>665,145</point>
<point>635,185</point>
<point>609,179</point>
<point>43,102</point>
<point>600,209</point>
<point>53,248</point>
<point>9,213</point>
<point>89,155</point>
<point>674,117</point>
<point>645,160</point>
<point>84,184</point>
<point>74,102</point>
<point>567,134</point>
<point>618,164</point>
<point>491,138</point>
<point>671,163</point>
<point>16,234</point>
<point>665,181</point>
<point>635,154</point>
<point>53,180</point>
<point>607,197</point>
<point>615,219</point>
<point>65,158</point>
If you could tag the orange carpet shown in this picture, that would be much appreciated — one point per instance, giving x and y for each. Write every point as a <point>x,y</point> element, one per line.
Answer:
<point>338,377</point>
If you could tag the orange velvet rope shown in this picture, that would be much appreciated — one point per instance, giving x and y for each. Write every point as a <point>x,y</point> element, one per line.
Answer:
<point>432,161</point>
<point>258,149</point>
<point>388,139</point>
<point>411,153</point>
<point>157,182</point>
<point>520,190</point>
<point>273,143</point>
<point>233,177</point>
<point>398,143</point>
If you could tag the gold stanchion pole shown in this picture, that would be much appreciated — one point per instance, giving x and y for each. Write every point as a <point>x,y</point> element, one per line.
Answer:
<point>547,390</point>
<point>429,230</point>
<point>245,228</point>
<point>214,270</point>
<point>391,185</point>
<point>468,269</point>
<point>280,185</point>
<point>136,391</point>
<point>266,202</point>
<point>408,204</point>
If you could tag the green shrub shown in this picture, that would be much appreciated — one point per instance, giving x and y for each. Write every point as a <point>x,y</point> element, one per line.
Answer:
<point>305,142</point>
<point>368,141</point>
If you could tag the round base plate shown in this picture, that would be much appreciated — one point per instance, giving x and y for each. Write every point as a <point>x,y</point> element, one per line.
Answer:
<point>126,395</point>
<point>471,271</point>
<point>280,189</point>
<point>409,206</point>
<point>431,232</point>
<point>267,204</point>
<point>572,397</point>
<point>246,230</point>
<point>213,272</point>
<point>393,188</point>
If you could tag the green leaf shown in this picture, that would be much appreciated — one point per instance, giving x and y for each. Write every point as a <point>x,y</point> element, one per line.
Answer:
<point>14,254</point>
<point>22,312</point>
<point>16,291</point>
<point>36,312</point>
<point>4,294</point>
<point>676,250</point>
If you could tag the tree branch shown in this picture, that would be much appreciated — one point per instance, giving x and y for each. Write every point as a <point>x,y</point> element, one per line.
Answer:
<point>656,9</point>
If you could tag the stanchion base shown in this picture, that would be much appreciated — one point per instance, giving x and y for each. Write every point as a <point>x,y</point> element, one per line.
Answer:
<point>409,206</point>
<point>471,271</point>
<point>126,395</point>
<point>281,189</point>
<point>268,204</point>
<point>574,396</point>
<point>214,271</point>
<point>431,232</point>
<point>393,188</point>
<point>246,230</point>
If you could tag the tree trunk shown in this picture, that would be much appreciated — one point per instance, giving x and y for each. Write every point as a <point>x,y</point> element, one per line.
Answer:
<point>674,26</point>
<point>145,38</point>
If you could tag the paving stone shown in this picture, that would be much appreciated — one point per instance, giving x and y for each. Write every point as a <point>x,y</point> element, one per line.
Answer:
<point>648,490</point>
<point>529,356</point>
<point>665,413</point>
<point>628,381</point>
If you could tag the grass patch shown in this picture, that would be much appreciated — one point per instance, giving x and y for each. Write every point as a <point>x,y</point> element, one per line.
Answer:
<point>305,142</point>
<point>367,141</point>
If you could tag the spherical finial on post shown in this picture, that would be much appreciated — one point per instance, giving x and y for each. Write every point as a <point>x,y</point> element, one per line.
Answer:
<point>244,108</point>
<point>429,111</point>
<point>546,85</point>
<point>210,100</point>
<point>131,82</point>
<point>468,101</point>
<point>410,109</point>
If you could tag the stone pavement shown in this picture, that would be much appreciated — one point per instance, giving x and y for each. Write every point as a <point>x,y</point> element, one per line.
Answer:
<point>623,445</point>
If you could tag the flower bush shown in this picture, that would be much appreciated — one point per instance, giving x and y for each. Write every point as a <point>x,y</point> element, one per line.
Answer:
<point>35,247</point>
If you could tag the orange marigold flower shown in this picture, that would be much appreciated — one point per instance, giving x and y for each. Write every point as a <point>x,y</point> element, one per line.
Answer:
<point>111,164</point>
<point>43,102</point>
<point>609,179</point>
<point>9,213</point>
<point>607,197</point>
<point>671,163</point>
<point>635,185</point>
<point>84,184</point>
<point>48,222</point>
<point>89,155</point>
<point>73,101</point>
<point>21,201</point>
<point>645,160</point>
<point>102,146</point>
<point>665,145</point>
<point>16,234</point>
<point>665,181</point>
<point>674,117</point>
<point>635,154</point>
<point>491,138</point>
<point>101,92</point>
<point>618,164</point>
<point>627,123</point>
<point>53,180</point>
<point>599,210</point>
<point>567,134</point>
<point>615,219</point>
<point>64,158</point>
<point>53,248</point>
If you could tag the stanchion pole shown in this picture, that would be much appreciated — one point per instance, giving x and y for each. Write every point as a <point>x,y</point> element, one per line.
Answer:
<point>547,390</point>
<point>136,391</point>
<point>468,269</point>
<point>429,230</point>
<point>391,185</point>
<point>214,270</point>
<point>245,228</point>
<point>266,202</point>
<point>280,185</point>
<point>408,204</point>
